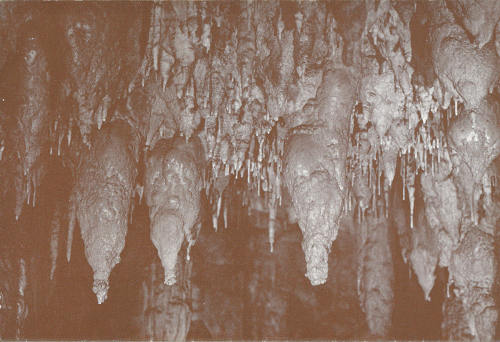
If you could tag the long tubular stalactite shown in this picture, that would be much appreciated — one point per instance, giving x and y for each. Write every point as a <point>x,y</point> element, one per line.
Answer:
<point>55,234</point>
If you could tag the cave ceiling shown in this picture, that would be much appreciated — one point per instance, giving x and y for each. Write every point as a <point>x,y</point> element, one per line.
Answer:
<point>375,119</point>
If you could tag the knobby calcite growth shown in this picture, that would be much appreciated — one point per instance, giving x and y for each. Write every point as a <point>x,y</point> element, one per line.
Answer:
<point>316,200</point>
<point>102,44</point>
<point>442,209</point>
<point>472,271</point>
<point>315,171</point>
<point>467,72</point>
<point>103,193</point>
<point>454,326</point>
<point>478,16</point>
<point>172,189</point>
<point>474,140</point>
<point>382,102</point>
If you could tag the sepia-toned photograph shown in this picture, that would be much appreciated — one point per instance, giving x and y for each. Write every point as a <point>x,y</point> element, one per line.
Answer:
<point>250,170</point>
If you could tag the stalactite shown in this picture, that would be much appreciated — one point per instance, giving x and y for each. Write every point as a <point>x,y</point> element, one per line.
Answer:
<point>32,119</point>
<point>472,272</point>
<point>272,228</point>
<point>316,178</point>
<point>424,254</point>
<point>376,274</point>
<point>172,189</point>
<point>267,92</point>
<point>464,70</point>
<point>101,46</point>
<point>54,241</point>
<point>103,194</point>
<point>21,301</point>
<point>474,139</point>
<point>317,201</point>
<point>71,227</point>
<point>441,209</point>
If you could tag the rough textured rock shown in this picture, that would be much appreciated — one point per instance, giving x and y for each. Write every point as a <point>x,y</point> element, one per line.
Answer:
<point>455,326</point>
<point>497,38</point>
<point>103,195</point>
<point>473,263</point>
<point>334,98</point>
<point>102,46</point>
<point>474,140</point>
<point>467,72</point>
<point>7,296</point>
<point>30,137</point>
<point>172,190</point>
<point>166,311</point>
<point>315,173</point>
<point>382,103</point>
<point>317,201</point>
<point>424,254</point>
<point>472,271</point>
<point>478,17</point>
<point>376,275</point>
<point>441,209</point>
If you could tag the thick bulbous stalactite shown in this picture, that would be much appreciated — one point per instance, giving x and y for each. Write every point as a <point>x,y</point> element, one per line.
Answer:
<point>103,195</point>
<point>317,201</point>
<point>474,141</point>
<point>172,190</point>
<point>478,17</point>
<point>466,72</point>
<point>315,171</point>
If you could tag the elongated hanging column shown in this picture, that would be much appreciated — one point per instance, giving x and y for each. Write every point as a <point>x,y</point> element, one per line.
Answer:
<point>314,172</point>
<point>103,194</point>
<point>376,274</point>
<point>172,189</point>
<point>317,200</point>
<point>32,120</point>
